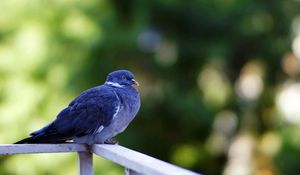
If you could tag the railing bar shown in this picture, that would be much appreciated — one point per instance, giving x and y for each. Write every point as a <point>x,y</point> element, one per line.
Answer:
<point>138,162</point>
<point>7,149</point>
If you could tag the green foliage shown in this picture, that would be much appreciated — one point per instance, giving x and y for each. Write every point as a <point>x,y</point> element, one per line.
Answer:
<point>218,78</point>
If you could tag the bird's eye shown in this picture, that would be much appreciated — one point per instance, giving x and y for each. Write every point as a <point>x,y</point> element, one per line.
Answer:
<point>123,77</point>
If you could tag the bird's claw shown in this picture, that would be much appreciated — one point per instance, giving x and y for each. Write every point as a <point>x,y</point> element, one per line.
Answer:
<point>110,141</point>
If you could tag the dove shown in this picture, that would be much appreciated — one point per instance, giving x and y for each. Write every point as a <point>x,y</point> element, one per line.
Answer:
<point>96,115</point>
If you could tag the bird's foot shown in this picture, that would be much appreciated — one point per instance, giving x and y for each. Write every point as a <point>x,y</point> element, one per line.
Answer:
<point>110,141</point>
<point>85,140</point>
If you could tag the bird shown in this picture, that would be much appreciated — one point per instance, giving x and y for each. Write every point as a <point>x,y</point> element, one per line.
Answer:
<point>96,115</point>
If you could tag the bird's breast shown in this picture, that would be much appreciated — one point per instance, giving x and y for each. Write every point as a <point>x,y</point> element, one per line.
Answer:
<point>129,106</point>
<point>130,101</point>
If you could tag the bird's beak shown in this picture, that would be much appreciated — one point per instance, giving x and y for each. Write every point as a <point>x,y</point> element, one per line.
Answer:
<point>135,82</point>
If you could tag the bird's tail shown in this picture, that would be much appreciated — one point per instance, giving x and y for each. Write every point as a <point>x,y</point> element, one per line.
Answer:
<point>47,134</point>
<point>26,140</point>
<point>42,139</point>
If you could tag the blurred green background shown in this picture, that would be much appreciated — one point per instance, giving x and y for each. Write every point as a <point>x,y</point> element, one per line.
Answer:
<point>219,79</point>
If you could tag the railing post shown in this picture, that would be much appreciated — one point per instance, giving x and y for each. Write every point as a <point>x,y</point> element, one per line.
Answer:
<point>85,163</point>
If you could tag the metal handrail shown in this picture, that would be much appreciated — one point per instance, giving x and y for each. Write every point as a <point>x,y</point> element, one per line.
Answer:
<point>135,163</point>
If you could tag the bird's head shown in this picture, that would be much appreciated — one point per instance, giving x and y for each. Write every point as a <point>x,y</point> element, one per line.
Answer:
<point>121,78</point>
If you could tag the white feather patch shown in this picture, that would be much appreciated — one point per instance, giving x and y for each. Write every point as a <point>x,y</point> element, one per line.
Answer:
<point>113,84</point>
<point>99,129</point>
<point>117,107</point>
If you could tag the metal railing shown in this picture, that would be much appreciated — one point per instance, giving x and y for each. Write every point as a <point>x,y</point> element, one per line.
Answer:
<point>135,163</point>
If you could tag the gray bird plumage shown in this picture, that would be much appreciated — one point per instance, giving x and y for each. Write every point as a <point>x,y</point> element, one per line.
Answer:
<point>96,115</point>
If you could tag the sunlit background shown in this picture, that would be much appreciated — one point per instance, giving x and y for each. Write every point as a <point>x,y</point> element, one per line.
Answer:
<point>219,79</point>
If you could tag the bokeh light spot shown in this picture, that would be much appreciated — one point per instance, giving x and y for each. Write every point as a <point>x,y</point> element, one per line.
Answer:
<point>240,156</point>
<point>291,65</point>
<point>296,25</point>
<point>167,53</point>
<point>185,155</point>
<point>149,40</point>
<point>216,144</point>
<point>225,122</point>
<point>30,44</point>
<point>250,84</point>
<point>288,102</point>
<point>296,46</point>
<point>270,143</point>
<point>80,27</point>
<point>214,85</point>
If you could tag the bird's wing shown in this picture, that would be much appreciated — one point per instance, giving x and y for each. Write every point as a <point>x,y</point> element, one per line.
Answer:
<point>94,108</point>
